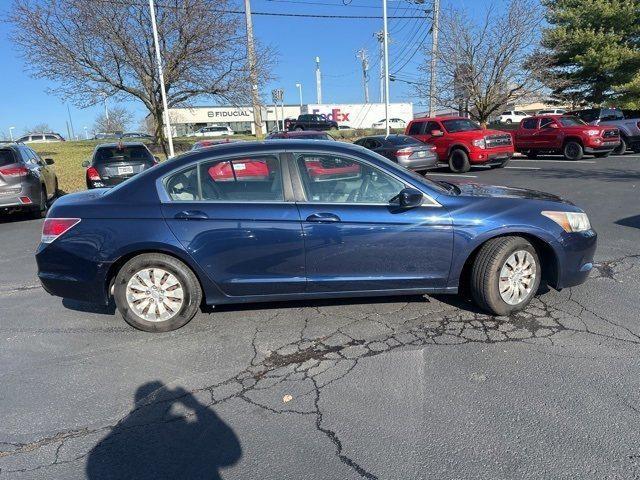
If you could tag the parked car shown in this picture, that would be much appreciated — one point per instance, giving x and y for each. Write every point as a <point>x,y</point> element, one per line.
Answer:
<point>310,121</point>
<point>141,135</point>
<point>107,136</point>
<point>27,182</point>
<point>113,163</point>
<point>461,142</point>
<point>565,135</point>
<point>512,116</point>
<point>187,232</point>
<point>629,126</point>
<point>396,123</point>
<point>40,138</point>
<point>301,134</point>
<point>210,143</point>
<point>402,149</point>
<point>345,127</point>
<point>552,111</point>
<point>212,131</point>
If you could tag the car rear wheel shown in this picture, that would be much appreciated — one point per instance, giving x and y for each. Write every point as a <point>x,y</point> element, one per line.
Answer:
<point>459,161</point>
<point>573,150</point>
<point>509,120</point>
<point>505,275</point>
<point>622,148</point>
<point>41,207</point>
<point>156,293</point>
<point>532,154</point>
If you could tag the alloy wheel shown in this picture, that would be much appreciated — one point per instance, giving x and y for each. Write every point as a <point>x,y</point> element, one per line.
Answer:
<point>517,277</point>
<point>155,294</point>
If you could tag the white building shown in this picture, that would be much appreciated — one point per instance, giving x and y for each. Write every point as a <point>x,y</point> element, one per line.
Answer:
<point>240,119</point>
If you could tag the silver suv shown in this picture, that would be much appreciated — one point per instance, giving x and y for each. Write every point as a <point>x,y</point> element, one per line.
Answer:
<point>26,181</point>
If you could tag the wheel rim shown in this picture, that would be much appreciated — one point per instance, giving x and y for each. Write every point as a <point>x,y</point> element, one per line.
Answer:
<point>572,150</point>
<point>155,295</point>
<point>517,277</point>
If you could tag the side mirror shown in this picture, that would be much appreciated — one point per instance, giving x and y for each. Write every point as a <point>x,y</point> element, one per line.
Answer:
<point>49,161</point>
<point>86,163</point>
<point>410,197</point>
<point>437,133</point>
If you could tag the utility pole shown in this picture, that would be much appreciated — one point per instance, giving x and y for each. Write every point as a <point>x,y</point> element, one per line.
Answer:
<point>253,73</point>
<point>73,133</point>
<point>163,91</point>
<point>362,55</point>
<point>434,55</point>
<point>385,42</point>
<point>379,37</point>
<point>318,82</point>
<point>299,85</point>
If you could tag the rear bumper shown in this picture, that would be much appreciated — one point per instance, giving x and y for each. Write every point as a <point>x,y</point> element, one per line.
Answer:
<point>10,198</point>
<point>430,161</point>
<point>577,258</point>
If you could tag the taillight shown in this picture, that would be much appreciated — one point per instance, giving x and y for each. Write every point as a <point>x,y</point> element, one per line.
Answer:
<point>93,175</point>
<point>404,152</point>
<point>14,171</point>
<point>54,227</point>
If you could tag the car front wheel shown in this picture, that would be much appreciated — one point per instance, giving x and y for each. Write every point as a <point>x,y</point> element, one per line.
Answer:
<point>156,293</point>
<point>459,161</point>
<point>622,148</point>
<point>505,275</point>
<point>573,151</point>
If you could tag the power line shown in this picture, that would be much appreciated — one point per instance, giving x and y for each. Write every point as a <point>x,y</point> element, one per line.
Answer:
<point>302,2</point>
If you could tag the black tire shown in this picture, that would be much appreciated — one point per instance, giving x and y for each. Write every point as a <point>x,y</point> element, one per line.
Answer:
<point>622,148</point>
<point>602,154</point>
<point>459,161</point>
<point>485,274</point>
<point>532,155</point>
<point>508,120</point>
<point>572,150</point>
<point>41,207</point>
<point>186,277</point>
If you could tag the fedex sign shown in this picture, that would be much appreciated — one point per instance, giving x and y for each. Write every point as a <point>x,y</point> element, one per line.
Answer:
<point>336,115</point>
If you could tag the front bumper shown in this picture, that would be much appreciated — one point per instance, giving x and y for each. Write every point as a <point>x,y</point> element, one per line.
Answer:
<point>497,156</point>
<point>576,260</point>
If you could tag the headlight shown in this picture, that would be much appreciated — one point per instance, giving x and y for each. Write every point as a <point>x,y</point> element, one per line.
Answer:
<point>570,221</point>
<point>480,143</point>
<point>593,133</point>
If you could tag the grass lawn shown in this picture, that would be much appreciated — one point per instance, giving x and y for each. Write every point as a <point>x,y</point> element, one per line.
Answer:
<point>70,155</point>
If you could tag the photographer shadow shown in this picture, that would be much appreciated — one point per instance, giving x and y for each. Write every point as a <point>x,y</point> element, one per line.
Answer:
<point>169,434</point>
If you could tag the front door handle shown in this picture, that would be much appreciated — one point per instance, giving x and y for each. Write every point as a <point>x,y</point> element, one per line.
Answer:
<point>323,217</point>
<point>191,215</point>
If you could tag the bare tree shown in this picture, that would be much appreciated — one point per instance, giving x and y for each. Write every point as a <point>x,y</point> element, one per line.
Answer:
<point>38,128</point>
<point>104,48</point>
<point>484,64</point>
<point>119,119</point>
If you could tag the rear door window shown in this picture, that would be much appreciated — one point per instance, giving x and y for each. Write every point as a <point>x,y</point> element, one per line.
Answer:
<point>545,122</point>
<point>7,157</point>
<point>416,128</point>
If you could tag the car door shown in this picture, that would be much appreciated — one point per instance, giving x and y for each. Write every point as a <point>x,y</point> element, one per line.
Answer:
<point>236,217</point>
<point>549,134</point>
<point>42,170</point>
<point>439,141</point>
<point>357,238</point>
<point>526,134</point>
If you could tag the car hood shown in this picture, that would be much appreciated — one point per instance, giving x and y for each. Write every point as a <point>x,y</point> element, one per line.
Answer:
<point>469,189</point>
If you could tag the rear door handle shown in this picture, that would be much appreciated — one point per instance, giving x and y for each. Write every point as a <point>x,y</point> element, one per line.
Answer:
<point>191,215</point>
<point>323,217</point>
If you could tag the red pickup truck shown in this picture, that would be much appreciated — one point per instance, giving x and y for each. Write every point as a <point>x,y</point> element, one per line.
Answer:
<point>461,142</point>
<point>566,135</point>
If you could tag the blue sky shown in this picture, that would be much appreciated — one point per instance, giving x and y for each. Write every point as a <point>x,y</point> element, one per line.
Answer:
<point>25,102</point>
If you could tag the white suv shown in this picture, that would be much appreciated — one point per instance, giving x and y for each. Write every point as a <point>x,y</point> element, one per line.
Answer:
<point>552,111</point>
<point>512,116</point>
<point>213,131</point>
<point>41,138</point>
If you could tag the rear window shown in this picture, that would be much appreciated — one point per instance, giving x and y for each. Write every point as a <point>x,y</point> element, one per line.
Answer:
<point>6,157</point>
<point>123,154</point>
<point>460,125</point>
<point>403,140</point>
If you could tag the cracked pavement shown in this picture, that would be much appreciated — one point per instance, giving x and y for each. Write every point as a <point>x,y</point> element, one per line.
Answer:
<point>399,387</point>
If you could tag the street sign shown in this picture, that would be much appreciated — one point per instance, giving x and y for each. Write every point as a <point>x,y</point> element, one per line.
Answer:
<point>277,94</point>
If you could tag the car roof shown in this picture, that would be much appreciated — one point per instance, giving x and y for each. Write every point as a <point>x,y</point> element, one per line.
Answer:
<point>300,133</point>
<point>120,144</point>
<point>451,117</point>
<point>383,137</point>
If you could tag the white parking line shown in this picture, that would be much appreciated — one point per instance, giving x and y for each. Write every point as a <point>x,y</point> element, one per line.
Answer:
<point>453,175</point>
<point>568,162</point>
<point>524,168</point>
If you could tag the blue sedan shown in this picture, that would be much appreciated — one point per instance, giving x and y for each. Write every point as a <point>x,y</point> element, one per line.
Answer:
<point>296,219</point>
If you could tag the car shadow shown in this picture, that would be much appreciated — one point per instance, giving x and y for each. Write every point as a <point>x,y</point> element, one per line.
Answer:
<point>86,307</point>
<point>168,434</point>
<point>633,221</point>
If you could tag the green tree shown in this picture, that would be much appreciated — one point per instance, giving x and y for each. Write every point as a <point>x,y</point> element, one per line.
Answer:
<point>593,50</point>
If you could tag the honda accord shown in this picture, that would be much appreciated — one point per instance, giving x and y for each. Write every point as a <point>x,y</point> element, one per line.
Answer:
<point>266,221</point>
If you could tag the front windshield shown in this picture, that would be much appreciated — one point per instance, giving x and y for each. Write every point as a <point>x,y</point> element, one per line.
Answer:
<point>460,125</point>
<point>570,121</point>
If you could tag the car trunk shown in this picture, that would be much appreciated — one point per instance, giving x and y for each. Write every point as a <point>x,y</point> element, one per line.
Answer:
<point>118,169</point>
<point>11,173</point>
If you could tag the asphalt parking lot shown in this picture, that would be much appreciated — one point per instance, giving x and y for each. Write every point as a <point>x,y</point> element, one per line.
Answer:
<point>400,388</point>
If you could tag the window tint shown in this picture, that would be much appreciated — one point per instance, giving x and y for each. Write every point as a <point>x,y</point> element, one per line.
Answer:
<point>529,123</point>
<point>506,113</point>
<point>6,157</point>
<point>521,113</point>
<point>416,128</point>
<point>51,137</point>
<point>183,186</point>
<point>545,122</point>
<point>460,125</point>
<point>570,121</point>
<point>122,154</point>
<point>431,126</point>
<point>611,114</point>
<point>247,179</point>
<point>333,179</point>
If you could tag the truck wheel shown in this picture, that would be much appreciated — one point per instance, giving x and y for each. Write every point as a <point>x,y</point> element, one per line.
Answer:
<point>156,293</point>
<point>459,161</point>
<point>505,275</point>
<point>532,154</point>
<point>573,150</point>
<point>622,148</point>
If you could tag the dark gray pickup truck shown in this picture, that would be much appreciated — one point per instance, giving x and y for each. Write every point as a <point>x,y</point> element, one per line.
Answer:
<point>627,122</point>
<point>311,121</point>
